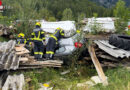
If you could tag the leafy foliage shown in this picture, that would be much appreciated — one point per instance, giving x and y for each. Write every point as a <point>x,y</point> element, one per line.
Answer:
<point>122,15</point>
<point>67,14</point>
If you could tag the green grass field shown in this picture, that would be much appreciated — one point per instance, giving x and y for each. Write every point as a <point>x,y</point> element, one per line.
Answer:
<point>118,78</point>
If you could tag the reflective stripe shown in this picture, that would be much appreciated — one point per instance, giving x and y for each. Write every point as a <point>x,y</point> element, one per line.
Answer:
<point>54,37</point>
<point>43,38</point>
<point>62,34</point>
<point>36,52</point>
<point>33,33</point>
<point>25,41</point>
<point>49,52</point>
<point>55,32</point>
<point>41,53</point>
<point>38,39</point>
<point>38,34</point>
<point>18,42</point>
<point>30,43</point>
<point>32,39</point>
<point>42,32</point>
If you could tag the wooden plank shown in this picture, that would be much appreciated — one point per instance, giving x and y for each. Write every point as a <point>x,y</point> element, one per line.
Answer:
<point>36,67</point>
<point>110,58</point>
<point>19,47</point>
<point>97,65</point>
<point>22,52</point>
<point>23,59</point>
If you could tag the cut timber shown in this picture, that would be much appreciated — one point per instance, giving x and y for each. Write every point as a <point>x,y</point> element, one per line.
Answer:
<point>23,59</point>
<point>23,52</point>
<point>40,64</point>
<point>19,47</point>
<point>44,63</point>
<point>97,65</point>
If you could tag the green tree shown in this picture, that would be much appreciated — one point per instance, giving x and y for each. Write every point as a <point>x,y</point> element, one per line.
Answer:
<point>67,14</point>
<point>44,14</point>
<point>52,19</point>
<point>121,13</point>
<point>81,17</point>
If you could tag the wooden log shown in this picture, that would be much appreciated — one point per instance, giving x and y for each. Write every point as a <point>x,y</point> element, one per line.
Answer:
<point>97,65</point>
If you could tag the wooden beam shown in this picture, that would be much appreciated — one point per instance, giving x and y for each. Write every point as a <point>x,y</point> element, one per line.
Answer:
<point>97,65</point>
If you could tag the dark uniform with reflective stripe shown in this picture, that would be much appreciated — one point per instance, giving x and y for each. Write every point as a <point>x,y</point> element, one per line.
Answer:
<point>21,40</point>
<point>53,42</point>
<point>38,37</point>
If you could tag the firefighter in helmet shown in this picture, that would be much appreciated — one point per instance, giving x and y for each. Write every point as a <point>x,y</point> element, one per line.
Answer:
<point>20,39</point>
<point>38,37</point>
<point>53,43</point>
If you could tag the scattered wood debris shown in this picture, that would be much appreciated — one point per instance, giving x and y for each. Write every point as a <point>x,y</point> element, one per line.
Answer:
<point>14,56</point>
<point>97,65</point>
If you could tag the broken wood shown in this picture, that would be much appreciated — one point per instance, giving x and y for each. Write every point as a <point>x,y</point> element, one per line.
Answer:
<point>97,65</point>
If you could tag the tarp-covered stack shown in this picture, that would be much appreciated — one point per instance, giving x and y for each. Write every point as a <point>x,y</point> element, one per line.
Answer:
<point>68,27</point>
<point>106,24</point>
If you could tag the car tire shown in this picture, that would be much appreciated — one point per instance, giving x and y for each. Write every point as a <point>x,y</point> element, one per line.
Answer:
<point>120,41</point>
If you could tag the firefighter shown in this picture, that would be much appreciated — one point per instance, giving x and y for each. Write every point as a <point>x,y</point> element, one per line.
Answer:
<point>53,43</point>
<point>38,37</point>
<point>20,39</point>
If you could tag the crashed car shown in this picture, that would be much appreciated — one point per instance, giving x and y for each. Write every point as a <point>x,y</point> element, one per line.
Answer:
<point>72,40</point>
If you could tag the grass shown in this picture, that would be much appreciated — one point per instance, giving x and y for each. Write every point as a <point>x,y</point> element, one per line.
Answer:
<point>118,78</point>
<point>56,80</point>
<point>3,39</point>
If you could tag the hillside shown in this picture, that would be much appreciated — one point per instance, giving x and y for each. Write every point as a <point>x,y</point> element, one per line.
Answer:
<point>110,3</point>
